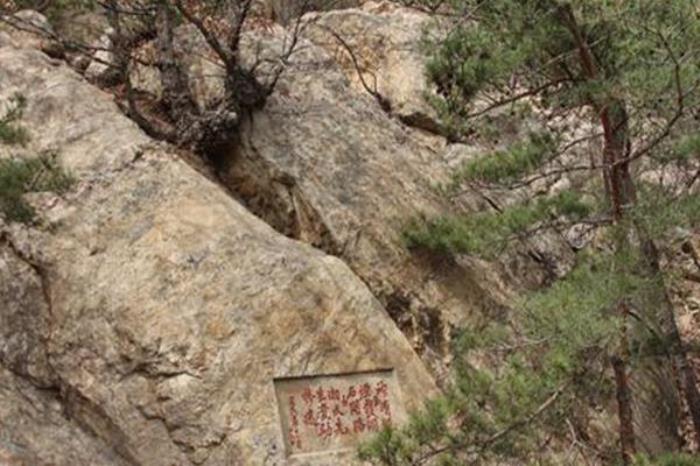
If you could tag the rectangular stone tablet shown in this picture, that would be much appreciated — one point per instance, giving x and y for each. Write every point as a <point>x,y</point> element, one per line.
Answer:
<point>327,413</point>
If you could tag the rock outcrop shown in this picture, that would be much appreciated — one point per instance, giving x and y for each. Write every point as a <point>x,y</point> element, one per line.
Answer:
<point>380,43</point>
<point>35,429</point>
<point>323,163</point>
<point>156,311</point>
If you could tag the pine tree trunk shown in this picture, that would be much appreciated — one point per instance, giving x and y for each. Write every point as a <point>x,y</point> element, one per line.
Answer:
<point>620,190</point>
<point>624,407</point>
<point>622,195</point>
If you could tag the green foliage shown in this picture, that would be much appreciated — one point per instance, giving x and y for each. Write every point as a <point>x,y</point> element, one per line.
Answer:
<point>688,148</point>
<point>552,364</point>
<point>660,211</point>
<point>21,176</point>
<point>632,67</point>
<point>640,59</point>
<point>10,131</point>
<point>670,459</point>
<point>520,159</point>
<point>486,233</point>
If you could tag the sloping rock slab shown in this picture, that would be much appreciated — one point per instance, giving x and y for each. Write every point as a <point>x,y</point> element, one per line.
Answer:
<point>66,114</point>
<point>323,163</point>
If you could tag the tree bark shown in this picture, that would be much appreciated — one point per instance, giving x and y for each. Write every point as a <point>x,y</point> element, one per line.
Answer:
<point>620,190</point>
<point>176,91</point>
<point>624,407</point>
<point>622,194</point>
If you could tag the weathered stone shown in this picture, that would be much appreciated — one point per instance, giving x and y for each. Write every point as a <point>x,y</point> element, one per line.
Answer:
<point>82,27</point>
<point>172,309</point>
<point>33,19</point>
<point>101,63</point>
<point>385,40</point>
<point>316,156</point>
<point>24,319</point>
<point>35,429</point>
<point>27,27</point>
<point>323,163</point>
<point>286,11</point>
<point>203,68</point>
<point>88,136</point>
<point>180,312</point>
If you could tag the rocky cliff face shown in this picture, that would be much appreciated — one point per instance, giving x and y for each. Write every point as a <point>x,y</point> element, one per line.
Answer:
<point>155,307</point>
<point>150,315</point>
<point>326,164</point>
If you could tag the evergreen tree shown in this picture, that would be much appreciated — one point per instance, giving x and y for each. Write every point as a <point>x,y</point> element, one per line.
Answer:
<point>622,79</point>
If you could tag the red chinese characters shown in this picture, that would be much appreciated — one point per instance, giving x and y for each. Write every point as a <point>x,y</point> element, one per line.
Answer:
<point>329,412</point>
<point>294,438</point>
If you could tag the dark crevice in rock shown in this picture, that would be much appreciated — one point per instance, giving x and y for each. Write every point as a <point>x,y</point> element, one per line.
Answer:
<point>85,415</point>
<point>418,322</point>
<point>275,197</point>
<point>546,263</point>
<point>93,419</point>
<point>187,449</point>
<point>414,121</point>
<point>423,122</point>
<point>423,326</point>
<point>48,379</point>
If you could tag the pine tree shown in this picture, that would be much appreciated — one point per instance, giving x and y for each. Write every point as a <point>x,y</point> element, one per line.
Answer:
<point>622,79</point>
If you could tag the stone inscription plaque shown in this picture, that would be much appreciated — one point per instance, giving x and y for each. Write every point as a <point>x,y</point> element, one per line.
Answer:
<point>336,412</point>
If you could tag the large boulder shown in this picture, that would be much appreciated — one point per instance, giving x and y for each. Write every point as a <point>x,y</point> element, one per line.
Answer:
<point>165,317</point>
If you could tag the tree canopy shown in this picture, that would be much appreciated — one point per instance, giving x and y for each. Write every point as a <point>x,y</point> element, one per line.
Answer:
<point>613,88</point>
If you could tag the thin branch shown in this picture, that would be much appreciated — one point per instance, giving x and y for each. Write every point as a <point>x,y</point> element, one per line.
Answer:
<point>502,433</point>
<point>208,35</point>
<point>235,39</point>
<point>383,102</point>
<point>516,97</point>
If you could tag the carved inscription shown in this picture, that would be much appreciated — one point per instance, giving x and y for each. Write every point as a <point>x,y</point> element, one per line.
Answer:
<point>335,412</point>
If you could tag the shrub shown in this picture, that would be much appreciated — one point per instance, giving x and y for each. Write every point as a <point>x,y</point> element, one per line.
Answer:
<point>21,176</point>
<point>10,132</point>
